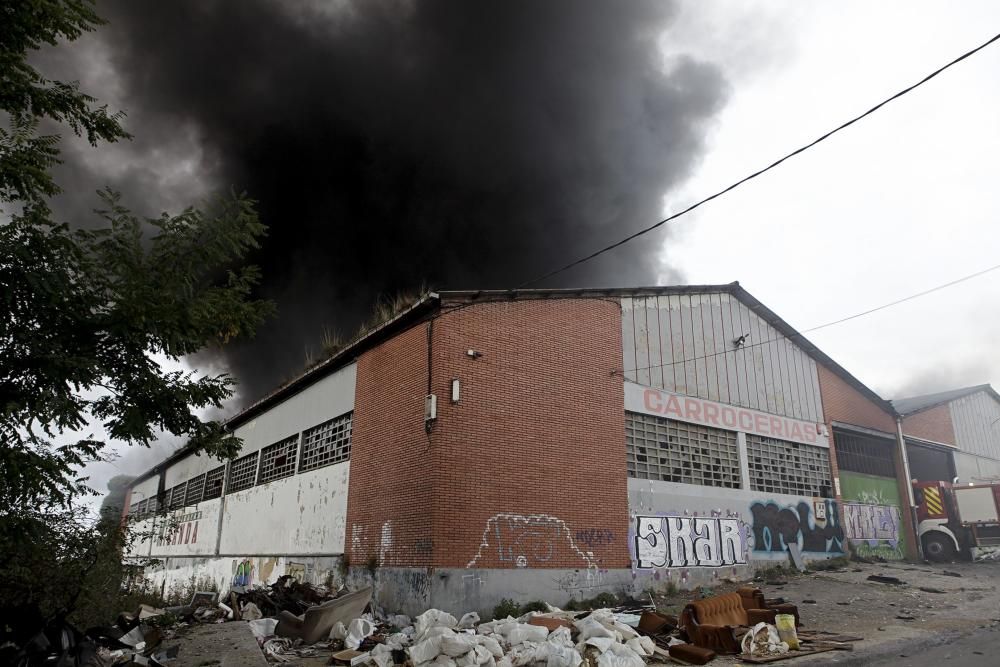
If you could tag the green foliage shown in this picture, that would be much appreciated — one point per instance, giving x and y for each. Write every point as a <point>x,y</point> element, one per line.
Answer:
<point>600,601</point>
<point>507,607</point>
<point>534,605</point>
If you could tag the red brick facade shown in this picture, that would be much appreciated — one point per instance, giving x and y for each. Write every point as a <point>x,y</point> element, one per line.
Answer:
<point>933,424</point>
<point>526,469</point>
<point>844,403</point>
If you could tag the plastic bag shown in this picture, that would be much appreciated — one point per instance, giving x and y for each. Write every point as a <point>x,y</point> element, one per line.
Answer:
<point>642,645</point>
<point>591,627</point>
<point>433,618</point>
<point>619,655</point>
<point>563,656</point>
<point>763,640</point>
<point>250,612</point>
<point>491,645</point>
<point>425,650</point>
<point>263,627</point>
<point>469,620</point>
<point>561,636</point>
<point>785,623</point>
<point>357,631</point>
<point>455,645</point>
<point>522,632</point>
<point>399,621</point>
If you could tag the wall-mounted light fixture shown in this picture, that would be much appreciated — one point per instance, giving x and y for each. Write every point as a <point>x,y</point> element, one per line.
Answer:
<point>473,354</point>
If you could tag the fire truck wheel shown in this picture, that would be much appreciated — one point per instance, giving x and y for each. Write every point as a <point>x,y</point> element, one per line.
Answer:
<point>938,547</point>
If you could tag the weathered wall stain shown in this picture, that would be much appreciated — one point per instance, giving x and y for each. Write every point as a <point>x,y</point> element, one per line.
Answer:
<point>671,541</point>
<point>528,540</point>
<point>815,528</point>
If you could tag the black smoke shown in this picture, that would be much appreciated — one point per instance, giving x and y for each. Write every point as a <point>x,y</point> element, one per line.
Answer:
<point>461,144</point>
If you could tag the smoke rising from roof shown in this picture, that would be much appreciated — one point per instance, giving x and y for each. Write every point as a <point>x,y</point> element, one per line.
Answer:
<point>461,144</point>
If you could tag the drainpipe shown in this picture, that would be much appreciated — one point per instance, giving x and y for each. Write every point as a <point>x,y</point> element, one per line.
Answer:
<point>910,500</point>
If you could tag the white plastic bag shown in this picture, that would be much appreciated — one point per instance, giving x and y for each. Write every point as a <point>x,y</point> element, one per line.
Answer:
<point>561,636</point>
<point>563,656</point>
<point>469,620</point>
<point>455,645</point>
<point>338,631</point>
<point>763,640</point>
<point>602,644</point>
<point>425,650</point>
<point>642,645</point>
<point>250,612</point>
<point>443,661</point>
<point>491,645</point>
<point>433,618</point>
<point>399,621</point>
<point>523,632</point>
<point>263,627</point>
<point>619,655</point>
<point>591,627</point>
<point>357,631</point>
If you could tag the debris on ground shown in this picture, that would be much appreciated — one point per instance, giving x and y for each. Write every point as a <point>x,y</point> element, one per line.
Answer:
<point>881,579</point>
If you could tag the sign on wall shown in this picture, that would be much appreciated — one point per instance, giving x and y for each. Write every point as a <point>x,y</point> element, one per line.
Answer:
<point>669,405</point>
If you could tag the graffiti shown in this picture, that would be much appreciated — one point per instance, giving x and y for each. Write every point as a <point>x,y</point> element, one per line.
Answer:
<point>595,537</point>
<point>524,540</point>
<point>871,522</point>
<point>775,527</point>
<point>243,573</point>
<point>688,541</point>
<point>883,550</point>
<point>296,571</point>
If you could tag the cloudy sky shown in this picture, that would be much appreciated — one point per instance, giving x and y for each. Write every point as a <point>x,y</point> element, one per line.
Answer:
<point>661,106</point>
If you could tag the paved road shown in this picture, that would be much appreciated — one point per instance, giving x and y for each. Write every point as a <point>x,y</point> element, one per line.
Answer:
<point>980,648</point>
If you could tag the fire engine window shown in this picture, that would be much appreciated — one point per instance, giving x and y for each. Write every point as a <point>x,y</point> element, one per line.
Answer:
<point>778,466</point>
<point>671,451</point>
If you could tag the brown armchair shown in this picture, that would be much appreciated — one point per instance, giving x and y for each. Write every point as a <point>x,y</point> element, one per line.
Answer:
<point>315,624</point>
<point>712,623</point>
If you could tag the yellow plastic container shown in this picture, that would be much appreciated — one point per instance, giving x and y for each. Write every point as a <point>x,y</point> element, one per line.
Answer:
<point>786,630</point>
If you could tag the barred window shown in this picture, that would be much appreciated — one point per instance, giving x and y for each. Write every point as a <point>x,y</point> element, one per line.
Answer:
<point>779,466</point>
<point>195,488</point>
<point>328,443</point>
<point>672,451</point>
<point>177,496</point>
<point>133,510</point>
<point>140,509</point>
<point>278,460</point>
<point>864,453</point>
<point>163,502</point>
<point>242,472</point>
<point>213,483</point>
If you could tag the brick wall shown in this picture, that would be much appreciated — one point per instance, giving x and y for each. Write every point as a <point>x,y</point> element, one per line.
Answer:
<point>934,424</point>
<point>531,460</point>
<point>844,403</point>
<point>389,501</point>
<point>527,469</point>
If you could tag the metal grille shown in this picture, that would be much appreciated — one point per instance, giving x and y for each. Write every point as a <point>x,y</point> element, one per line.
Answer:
<point>213,483</point>
<point>140,509</point>
<point>163,502</point>
<point>133,510</point>
<point>328,443</point>
<point>864,454</point>
<point>278,460</point>
<point>177,496</point>
<point>242,472</point>
<point>778,466</point>
<point>671,451</point>
<point>195,488</point>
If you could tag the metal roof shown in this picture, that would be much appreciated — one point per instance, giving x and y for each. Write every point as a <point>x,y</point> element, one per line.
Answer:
<point>908,406</point>
<point>433,300</point>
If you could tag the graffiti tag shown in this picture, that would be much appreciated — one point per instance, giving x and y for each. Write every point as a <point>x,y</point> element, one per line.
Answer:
<point>595,537</point>
<point>775,527</point>
<point>681,541</point>
<point>243,576</point>
<point>871,522</point>
<point>529,540</point>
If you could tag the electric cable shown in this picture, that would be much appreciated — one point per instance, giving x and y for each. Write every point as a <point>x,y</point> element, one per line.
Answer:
<point>755,174</point>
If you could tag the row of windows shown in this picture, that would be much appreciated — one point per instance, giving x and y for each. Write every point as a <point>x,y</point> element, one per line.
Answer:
<point>671,451</point>
<point>322,445</point>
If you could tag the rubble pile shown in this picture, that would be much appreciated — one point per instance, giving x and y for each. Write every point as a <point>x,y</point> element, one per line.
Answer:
<point>285,594</point>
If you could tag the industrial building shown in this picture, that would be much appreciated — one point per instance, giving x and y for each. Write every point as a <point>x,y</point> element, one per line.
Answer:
<point>541,444</point>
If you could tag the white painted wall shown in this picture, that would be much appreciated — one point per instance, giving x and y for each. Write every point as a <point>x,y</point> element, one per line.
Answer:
<point>684,343</point>
<point>328,398</point>
<point>302,514</point>
<point>976,420</point>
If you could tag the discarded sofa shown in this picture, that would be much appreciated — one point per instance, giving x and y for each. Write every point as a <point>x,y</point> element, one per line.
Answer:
<point>317,621</point>
<point>712,623</point>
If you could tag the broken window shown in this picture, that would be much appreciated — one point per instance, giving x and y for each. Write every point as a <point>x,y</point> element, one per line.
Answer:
<point>865,454</point>
<point>672,451</point>
<point>195,489</point>
<point>242,473</point>
<point>278,460</point>
<point>177,496</point>
<point>328,443</point>
<point>779,466</point>
<point>213,483</point>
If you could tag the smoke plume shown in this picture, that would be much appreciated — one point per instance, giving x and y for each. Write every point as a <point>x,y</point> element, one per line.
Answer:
<point>461,144</point>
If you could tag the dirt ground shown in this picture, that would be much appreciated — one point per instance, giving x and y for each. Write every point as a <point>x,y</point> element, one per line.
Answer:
<point>935,605</point>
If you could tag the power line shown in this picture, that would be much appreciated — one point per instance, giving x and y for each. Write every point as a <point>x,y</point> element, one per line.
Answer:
<point>823,326</point>
<point>764,170</point>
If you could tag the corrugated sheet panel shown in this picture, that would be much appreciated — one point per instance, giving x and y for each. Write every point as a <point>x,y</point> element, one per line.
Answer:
<point>976,419</point>
<point>684,343</point>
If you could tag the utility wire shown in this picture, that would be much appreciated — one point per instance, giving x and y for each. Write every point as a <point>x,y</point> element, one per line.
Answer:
<point>823,326</point>
<point>761,171</point>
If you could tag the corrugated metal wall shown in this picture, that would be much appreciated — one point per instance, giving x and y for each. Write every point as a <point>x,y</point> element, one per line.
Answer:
<point>684,343</point>
<point>976,419</point>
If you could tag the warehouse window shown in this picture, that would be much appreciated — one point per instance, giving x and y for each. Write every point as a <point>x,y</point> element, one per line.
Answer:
<point>671,451</point>
<point>213,483</point>
<point>195,489</point>
<point>864,454</point>
<point>328,443</point>
<point>778,466</point>
<point>177,496</point>
<point>163,502</point>
<point>140,509</point>
<point>278,460</point>
<point>242,473</point>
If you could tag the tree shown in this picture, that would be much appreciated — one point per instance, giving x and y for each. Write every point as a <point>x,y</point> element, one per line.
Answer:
<point>87,312</point>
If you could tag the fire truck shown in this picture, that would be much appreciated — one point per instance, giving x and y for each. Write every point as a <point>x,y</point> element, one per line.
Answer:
<point>955,520</point>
